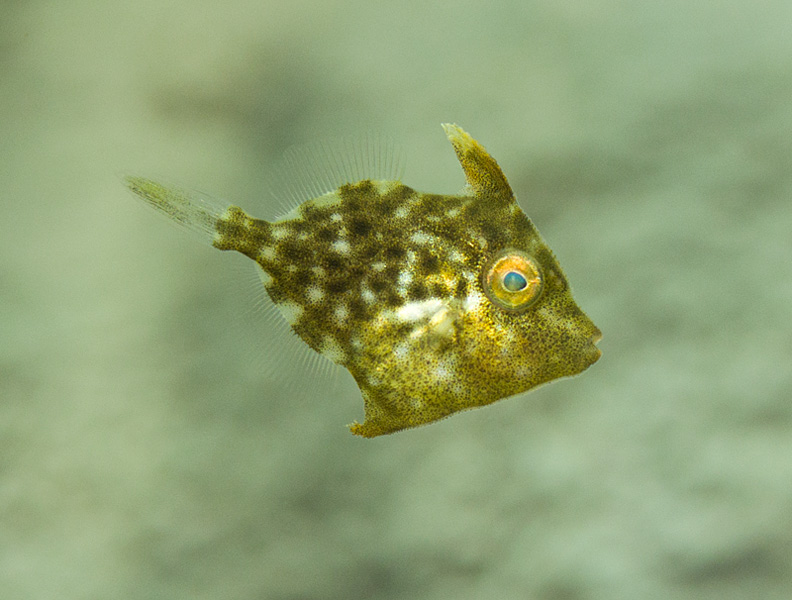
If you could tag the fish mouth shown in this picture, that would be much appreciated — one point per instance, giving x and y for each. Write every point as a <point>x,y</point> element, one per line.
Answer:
<point>586,352</point>
<point>595,338</point>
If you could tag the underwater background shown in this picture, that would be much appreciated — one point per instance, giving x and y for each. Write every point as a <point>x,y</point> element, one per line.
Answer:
<point>149,450</point>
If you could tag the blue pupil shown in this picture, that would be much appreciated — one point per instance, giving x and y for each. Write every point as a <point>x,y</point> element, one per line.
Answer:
<point>514,282</point>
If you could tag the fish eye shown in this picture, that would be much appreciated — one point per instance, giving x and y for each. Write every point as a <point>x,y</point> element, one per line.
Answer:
<point>513,280</point>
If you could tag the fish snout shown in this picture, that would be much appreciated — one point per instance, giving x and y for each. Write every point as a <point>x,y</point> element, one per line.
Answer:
<point>596,336</point>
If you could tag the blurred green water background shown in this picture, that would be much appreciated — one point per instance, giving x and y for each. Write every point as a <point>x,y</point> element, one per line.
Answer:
<point>144,452</point>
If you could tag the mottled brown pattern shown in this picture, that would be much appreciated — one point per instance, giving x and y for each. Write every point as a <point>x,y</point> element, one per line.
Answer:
<point>388,282</point>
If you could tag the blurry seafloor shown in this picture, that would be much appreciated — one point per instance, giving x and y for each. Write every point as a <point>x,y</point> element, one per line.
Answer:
<point>144,452</point>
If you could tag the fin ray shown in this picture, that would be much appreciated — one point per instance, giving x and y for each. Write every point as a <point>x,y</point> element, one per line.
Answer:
<point>314,169</point>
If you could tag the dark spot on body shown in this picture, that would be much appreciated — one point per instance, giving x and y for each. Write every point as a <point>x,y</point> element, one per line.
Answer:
<point>378,283</point>
<point>303,277</point>
<point>358,309</point>
<point>237,231</point>
<point>337,286</point>
<point>493,231</point>
<point>429,263</point>
<point>384,207</point>
<point>299,226</point>
<point>417,291</point>
<point>327,234</point>
<point>359,227</point>
<point>365,187</point>
<point>398,195</point>
<point>391,299</point>
<point>356,272</point>
<point>394,252</point>
<point>355,196</point>
<point>391,272</point>
<point>333,262</point>
<point>461,288</point>
<point>313,214</point>
<point>292,251</point>
<point>261,230</point>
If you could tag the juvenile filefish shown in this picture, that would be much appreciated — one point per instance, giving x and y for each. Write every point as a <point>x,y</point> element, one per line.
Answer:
<point>434,303</point>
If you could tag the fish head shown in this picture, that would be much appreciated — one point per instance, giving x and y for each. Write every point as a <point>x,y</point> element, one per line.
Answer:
<point>523,327</point>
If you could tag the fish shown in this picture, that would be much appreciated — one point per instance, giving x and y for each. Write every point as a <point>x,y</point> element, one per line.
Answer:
<point>434,303</point>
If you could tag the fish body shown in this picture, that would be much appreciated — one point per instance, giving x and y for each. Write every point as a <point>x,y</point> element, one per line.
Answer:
<point>434,303</point>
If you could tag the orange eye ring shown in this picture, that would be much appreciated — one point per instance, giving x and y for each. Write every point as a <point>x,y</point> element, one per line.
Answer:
<point>513,280</point>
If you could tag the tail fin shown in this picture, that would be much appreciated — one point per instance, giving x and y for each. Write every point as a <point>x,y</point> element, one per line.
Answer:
<point>193,210</point>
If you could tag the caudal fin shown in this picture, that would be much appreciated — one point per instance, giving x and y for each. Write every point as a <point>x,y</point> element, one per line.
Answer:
<point>193,210</point>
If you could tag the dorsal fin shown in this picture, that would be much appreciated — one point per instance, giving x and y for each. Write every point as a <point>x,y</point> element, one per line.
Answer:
<point>311,170</point>
<point>483,174</point>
